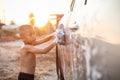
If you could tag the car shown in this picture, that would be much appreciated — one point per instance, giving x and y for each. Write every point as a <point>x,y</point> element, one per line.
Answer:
<point>89,49</point>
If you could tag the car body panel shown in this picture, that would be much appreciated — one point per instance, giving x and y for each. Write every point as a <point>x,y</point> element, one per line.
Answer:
<point>92,49</point>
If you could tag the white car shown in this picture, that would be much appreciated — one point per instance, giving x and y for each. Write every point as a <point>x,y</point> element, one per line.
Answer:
<point>91,49</point>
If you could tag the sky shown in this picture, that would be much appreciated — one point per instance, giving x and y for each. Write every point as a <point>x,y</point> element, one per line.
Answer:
<point>18,10</point>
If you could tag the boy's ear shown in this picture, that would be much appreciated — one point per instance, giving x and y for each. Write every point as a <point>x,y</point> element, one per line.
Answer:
<point>18,35</point>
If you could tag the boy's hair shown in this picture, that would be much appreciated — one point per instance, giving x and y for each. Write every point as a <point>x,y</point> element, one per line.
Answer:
<point>23,27</point>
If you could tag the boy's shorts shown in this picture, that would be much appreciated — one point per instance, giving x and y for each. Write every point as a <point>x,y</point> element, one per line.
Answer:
<point>25,76</point>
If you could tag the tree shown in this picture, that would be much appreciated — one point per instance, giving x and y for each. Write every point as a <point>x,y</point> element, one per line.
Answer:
<point>12,22</point>
<point>31,19</point>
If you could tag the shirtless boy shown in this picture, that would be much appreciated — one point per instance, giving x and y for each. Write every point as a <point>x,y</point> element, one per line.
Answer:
<point>28,51</point>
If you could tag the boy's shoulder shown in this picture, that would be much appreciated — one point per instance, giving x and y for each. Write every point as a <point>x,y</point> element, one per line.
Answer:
<point>26,47</point>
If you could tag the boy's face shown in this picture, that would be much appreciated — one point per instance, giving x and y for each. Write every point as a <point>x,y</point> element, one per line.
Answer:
<point>27,34</point>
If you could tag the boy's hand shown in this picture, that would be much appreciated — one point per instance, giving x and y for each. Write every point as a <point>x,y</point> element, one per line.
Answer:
<point>56,32</point>
<point>55,40</point>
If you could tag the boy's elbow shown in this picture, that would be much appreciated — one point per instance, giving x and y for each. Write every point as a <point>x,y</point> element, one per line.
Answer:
<point>45,51</point>
<point>42,52</point>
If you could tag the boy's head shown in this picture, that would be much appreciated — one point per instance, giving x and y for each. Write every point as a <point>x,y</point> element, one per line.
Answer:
<point>27,34</point>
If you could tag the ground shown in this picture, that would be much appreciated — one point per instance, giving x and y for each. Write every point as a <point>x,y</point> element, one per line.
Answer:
<point>9,64</point>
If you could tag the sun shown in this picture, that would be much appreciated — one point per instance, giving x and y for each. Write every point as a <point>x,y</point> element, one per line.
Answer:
<point>41,14</point>
<point>41,20</point>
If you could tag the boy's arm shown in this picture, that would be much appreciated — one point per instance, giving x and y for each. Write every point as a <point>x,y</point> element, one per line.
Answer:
<point>47,38</point>
<point>37,50</point>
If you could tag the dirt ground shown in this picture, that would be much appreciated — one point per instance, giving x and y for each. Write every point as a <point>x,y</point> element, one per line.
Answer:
<point>9,64</point>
